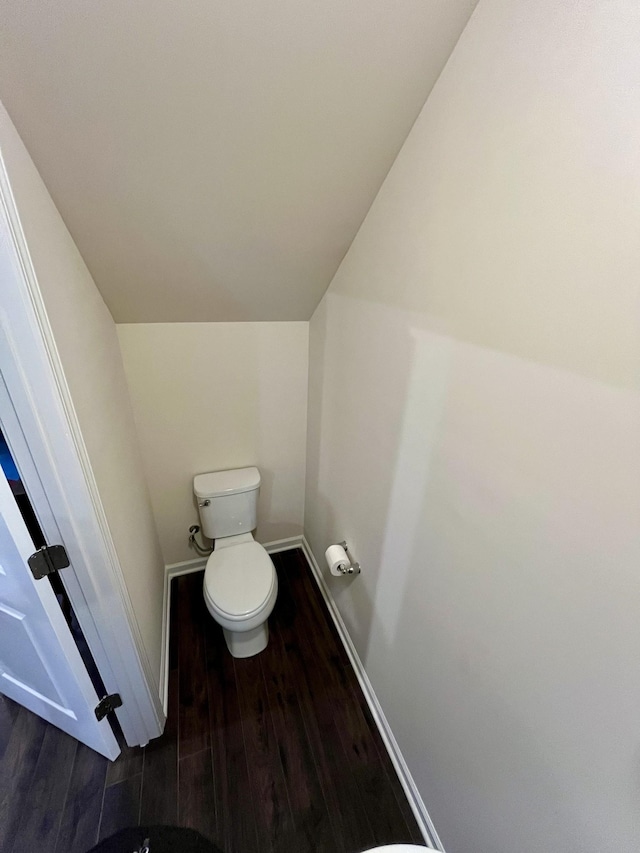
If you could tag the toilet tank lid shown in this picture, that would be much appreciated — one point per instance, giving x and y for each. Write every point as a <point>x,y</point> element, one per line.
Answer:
<point>232,482</point>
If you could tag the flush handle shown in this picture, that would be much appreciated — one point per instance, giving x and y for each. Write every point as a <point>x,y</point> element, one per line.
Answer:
<point>204,503</point>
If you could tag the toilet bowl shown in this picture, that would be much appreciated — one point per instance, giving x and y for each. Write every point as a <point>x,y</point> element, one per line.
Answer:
<point>240,584</point>
<point>240,588</point>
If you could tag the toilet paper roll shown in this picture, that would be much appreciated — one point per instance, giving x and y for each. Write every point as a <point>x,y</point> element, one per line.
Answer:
<point>337,560</point>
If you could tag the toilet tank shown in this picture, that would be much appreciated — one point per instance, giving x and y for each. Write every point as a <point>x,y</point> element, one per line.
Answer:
<point>227,501</point>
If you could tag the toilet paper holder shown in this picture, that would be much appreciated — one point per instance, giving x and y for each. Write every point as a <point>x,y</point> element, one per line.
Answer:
<point>354,568</point>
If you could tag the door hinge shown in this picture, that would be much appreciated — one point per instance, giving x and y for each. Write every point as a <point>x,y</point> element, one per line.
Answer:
<point>107,705</point>
<point>47,560</point>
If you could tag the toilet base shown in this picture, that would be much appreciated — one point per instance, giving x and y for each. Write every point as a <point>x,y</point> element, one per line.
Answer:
<point>246,644</point>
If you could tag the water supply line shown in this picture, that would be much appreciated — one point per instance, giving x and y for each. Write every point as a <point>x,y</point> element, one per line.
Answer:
<point>193,542</point>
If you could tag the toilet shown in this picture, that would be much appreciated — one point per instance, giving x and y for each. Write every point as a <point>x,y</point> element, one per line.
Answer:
<point>396,848</point>
<point>240,582</point>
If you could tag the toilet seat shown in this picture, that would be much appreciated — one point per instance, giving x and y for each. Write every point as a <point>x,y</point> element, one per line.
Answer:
<point>239,581</point>
<point>396,848</point>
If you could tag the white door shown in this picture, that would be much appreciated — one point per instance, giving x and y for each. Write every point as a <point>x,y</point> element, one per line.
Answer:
<point>40,666</point>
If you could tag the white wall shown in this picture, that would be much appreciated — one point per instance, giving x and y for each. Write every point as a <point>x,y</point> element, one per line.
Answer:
<point>474,433</point>
<point>210,396</point>
<point>86,339</point>
<point>214,160</point>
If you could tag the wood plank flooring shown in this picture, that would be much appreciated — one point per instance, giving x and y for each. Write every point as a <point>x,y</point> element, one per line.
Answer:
<point>270,754</point>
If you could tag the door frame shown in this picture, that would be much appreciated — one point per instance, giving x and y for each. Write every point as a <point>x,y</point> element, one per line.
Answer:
<point>50,452</point>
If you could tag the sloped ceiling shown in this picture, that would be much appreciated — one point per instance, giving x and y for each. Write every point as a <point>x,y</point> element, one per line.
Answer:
<point>214,159</point>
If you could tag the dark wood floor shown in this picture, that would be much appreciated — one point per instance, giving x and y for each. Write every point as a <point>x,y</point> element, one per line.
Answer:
<point>273,753</point>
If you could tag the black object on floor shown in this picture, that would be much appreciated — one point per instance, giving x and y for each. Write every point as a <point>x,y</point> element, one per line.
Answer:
<point>156,839</point>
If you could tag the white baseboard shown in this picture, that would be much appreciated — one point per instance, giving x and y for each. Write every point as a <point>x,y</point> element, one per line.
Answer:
<point>404,775</point>
<point>409,786</point>
<point>164,649</point>
<point>288,544</point>
<point>172,571</point>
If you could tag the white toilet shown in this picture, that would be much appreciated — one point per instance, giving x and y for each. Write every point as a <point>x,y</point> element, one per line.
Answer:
<point>240,582</point>
<point>396,848</point>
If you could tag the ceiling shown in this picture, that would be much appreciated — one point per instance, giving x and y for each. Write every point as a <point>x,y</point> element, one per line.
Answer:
<point>214,159</point>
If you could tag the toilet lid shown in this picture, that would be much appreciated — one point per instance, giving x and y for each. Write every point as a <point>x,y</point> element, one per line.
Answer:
<point>239,579</point>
